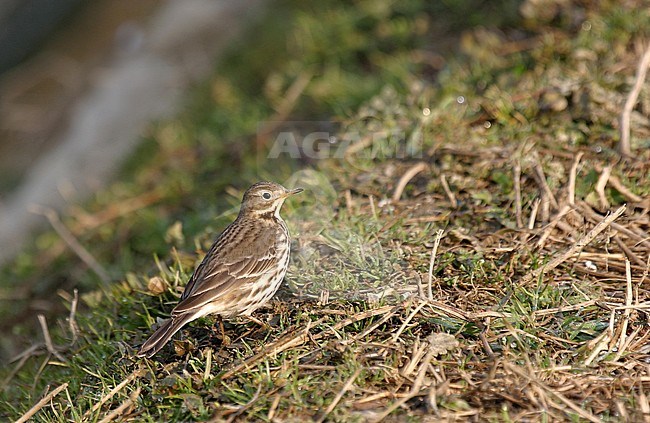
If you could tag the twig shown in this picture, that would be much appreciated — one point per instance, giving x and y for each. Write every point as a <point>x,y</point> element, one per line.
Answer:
<point>419,380</point>
<point>517,185</point>
<point>85,221</point>
<point>549,228</point>
<point>364,142</point>
<point>545,208</point>
<point>47,398</point>
<point>349,203</point>
<point>644,405</point>
<point>373,210</point>
<point>618,186</point>
<point>641,239</point>
<point>338,397</point>
<point>289,341</point>
<point>626,314</point>
<point>565,309</point>
<point>646,271</point>
<point>244,407</point>
<point>418,350</point>
<point>72,242</point>
<point>285,107</point>
<point>292,339</point>
<point>625,192</point>
<point>601,341</point>
<point>123,407</point>
<point>415,388</point>
<point>408,320</point>
<point>207,374</point>
<point>28,352</point>
<point>17,367</point>
<point>583,413</point>
<point>72,321</point>
<point>432,261</point>
<point>541,180</point>
<point>425,219</point>
<point>600,187</point>
<point>533,214</point>
<point>628,252</point>
<point>292,95</point>
<point>571,194</point>
<point>274,407</point>
<point>577,246</point>
<point>486,344</point>
<point>418,278</point>
<point>410,173</point>
<point>624,145</point>
<point>374,326</point>
<point>450,194</point>
<point>137,373</point>
<point>48,340</point>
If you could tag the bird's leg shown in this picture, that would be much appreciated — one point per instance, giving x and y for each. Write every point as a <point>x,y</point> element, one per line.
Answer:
<point>225,340</point>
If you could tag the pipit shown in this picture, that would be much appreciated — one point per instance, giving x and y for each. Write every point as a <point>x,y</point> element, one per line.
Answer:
<point>242,270</point>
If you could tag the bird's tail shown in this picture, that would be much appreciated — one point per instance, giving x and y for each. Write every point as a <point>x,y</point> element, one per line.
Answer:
<point>162,335</point>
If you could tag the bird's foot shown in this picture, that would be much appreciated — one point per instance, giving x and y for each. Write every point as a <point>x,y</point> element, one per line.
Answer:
<point>220,333</point>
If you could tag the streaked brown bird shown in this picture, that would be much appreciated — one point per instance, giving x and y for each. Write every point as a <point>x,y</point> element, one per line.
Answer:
<point>242,270</point>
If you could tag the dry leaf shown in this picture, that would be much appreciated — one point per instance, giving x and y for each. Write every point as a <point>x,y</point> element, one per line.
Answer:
<point>157,285</point>
<point>441,343</point>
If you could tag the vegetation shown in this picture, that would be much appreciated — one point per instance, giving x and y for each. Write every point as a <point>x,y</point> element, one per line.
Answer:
<point>453,255</point>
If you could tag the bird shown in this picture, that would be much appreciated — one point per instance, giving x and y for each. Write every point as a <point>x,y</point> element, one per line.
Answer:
<point>241,271</point>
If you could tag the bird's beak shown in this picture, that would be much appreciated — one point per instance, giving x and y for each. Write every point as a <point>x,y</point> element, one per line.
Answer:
<point>293,191</point>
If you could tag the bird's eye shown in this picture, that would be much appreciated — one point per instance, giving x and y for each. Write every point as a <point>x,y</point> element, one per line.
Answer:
<point>266,195</point>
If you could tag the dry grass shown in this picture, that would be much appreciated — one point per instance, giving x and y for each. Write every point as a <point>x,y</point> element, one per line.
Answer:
<point>490,263</point>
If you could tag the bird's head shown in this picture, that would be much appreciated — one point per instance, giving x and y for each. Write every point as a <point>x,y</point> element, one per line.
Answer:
<point>265,199</point>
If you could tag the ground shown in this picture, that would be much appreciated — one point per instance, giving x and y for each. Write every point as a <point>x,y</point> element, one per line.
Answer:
<point>471,244</point>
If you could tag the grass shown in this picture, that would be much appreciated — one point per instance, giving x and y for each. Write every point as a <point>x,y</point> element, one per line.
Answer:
<point>520,324</point>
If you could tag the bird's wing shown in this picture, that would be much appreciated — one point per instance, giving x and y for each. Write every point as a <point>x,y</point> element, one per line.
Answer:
<point>224,277</point>
<point>211,259</point>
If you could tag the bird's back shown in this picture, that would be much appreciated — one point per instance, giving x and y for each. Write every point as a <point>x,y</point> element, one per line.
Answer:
<point>245,260</point>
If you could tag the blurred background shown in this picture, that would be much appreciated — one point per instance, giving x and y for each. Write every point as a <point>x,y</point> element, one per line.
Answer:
<point>129,130</point>
<point>79,81</point>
